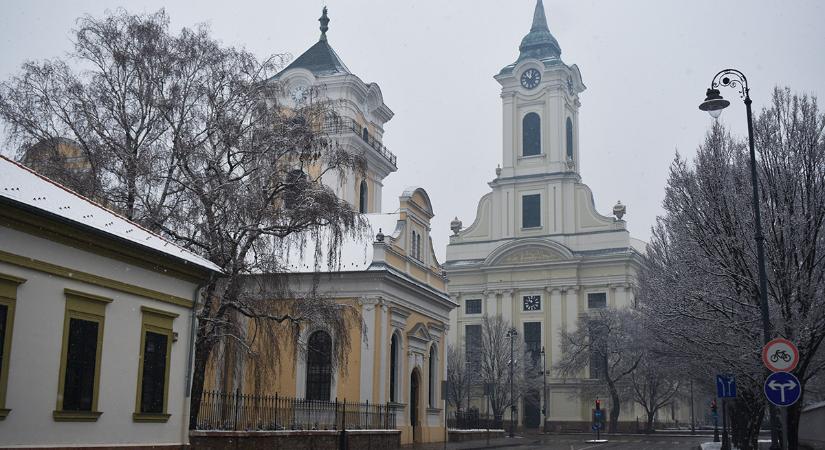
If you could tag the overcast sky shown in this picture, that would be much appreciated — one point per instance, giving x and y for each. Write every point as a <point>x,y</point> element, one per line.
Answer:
<point>646,65</point>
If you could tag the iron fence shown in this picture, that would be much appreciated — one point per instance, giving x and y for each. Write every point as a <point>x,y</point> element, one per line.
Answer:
<point>236,411</point>
<point>341,125</point>
<point>473,420</point>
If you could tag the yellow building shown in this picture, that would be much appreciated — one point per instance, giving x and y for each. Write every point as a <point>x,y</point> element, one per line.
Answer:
<point>395,289</point>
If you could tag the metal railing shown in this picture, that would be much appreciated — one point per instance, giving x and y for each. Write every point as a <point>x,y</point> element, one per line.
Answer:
<point>341,125</point>
<point>473,420</point>
<point>236,411</point>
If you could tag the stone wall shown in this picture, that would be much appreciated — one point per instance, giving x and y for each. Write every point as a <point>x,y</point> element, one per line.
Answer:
<point>473,435</point>
<point>294,440</point>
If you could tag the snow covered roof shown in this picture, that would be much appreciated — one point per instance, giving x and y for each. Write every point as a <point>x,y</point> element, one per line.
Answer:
<point>23,185</point>
<point>355,253</point>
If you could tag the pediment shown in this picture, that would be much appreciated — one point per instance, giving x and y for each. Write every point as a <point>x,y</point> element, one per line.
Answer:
<point>529,255</point>
<point>532,251</point>
<point>420,331</point>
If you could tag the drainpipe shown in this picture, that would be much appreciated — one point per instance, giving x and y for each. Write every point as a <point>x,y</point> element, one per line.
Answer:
<point>189,365</point>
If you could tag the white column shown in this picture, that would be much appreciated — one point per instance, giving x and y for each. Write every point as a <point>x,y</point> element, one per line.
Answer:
<point>507,305</point>
<point>368,344</point>
<point>490,304</point>
<point>554,326</point>
<point>383,369</point>
<point>572,307</point>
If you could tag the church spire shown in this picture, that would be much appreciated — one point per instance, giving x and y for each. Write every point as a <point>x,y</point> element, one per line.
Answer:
<point>539,19</point>
<point>539,42</point>
<point>325,23</point>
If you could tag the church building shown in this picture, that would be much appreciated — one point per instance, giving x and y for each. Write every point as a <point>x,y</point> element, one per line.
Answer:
<point>538,252</point>
<point>396,356</point>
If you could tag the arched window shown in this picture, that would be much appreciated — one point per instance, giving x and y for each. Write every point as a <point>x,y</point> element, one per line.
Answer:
<point>433,375</point>
<point>531,135</point>
<point>569,128</point>
<point>393,368</point>
<point>362,197</point>
<point>365,134</point>
<point>319,366</point>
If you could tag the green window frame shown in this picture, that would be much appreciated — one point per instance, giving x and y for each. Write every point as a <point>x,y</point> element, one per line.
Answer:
<point>86,307</point>
<point>157,322</point>
<point>8,298</point>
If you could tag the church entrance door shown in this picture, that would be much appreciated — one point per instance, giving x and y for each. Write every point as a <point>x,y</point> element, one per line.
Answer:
<point>532,409</point>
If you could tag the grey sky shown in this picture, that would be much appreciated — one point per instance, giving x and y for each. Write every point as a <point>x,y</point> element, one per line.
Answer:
<point>646,65</point>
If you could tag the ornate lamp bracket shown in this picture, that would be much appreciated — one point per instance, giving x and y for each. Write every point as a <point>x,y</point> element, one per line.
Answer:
<point>734,79</point>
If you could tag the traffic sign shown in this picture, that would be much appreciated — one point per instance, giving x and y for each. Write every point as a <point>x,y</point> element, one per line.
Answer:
<point>597,414</point>
<point>782,389</point>
<point>725,386</point>
<point>780,355</point>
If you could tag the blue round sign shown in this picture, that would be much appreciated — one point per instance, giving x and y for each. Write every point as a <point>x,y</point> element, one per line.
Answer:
<point>782,389</point>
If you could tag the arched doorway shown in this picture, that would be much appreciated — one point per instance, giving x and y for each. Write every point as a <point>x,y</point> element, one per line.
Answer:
<point>415,383</point>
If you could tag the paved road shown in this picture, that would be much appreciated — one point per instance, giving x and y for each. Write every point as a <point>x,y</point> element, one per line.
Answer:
<point>578,442</point>
<point>616,443</point>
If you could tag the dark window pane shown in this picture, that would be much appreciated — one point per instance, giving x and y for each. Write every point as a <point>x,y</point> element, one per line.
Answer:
<point>531,134</point>
<point>531,211</point>
<point>393,366</point>
<point>598,349</point>
<point>362,198</point>
<point>472,336</point>
<point>473,306</point>
<point>78,385</point>
<point>154,373</point>
<point>431,387</point>
<point>597,300</point>
<point>532,339</point>
<point>319,366</point>
<point>4,312</point>
<point>569,129</point>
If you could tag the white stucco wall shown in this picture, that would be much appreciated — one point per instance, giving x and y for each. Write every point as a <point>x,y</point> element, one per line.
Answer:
<point>36,346</point>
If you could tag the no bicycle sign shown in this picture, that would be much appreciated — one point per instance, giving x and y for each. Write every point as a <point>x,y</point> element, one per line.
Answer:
<point>780,355</point>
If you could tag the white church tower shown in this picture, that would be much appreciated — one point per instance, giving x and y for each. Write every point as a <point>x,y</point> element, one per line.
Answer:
<point>538,253</point>
<point>359,127</point>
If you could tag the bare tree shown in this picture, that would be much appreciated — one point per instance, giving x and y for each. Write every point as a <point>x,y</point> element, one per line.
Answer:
<point>459,377</point>
<point>654,384</point>
<point>186,137</point>
<point>700,285</point>
<point>498,351</point>
<point>605,342</point>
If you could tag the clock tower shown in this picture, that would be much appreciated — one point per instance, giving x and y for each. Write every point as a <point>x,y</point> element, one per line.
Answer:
<point>538,253</point>
<point>540,106</point>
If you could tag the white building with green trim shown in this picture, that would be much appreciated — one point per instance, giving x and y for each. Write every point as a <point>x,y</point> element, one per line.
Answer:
<point>96,322</point>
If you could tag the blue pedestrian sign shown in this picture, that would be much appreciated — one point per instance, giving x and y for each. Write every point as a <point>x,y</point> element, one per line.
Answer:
<point>782,389</point>
<point>725,386</point>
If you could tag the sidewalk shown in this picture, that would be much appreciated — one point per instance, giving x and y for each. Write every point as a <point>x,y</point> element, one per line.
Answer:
<point>473,445</point>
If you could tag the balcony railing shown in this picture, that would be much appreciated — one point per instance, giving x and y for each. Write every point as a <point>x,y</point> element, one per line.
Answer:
<point>244,412</point>
<point>343,125</point>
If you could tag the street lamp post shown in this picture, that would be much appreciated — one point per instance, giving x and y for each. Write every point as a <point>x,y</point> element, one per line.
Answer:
<point>544,392</point>
<point>714,104</point>
<point>511,334</point>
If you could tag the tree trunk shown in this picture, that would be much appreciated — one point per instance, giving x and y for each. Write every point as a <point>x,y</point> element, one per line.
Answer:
<point>203,349</point>
<point>615,409</point>
<point>650,417</point>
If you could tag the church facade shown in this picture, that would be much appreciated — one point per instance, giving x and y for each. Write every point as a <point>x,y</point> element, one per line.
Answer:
<point>538,252</point>
<point>395,355</point>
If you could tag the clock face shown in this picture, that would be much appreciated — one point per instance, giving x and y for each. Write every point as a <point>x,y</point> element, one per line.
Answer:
<point>532,302</point>
<point>530,78</point>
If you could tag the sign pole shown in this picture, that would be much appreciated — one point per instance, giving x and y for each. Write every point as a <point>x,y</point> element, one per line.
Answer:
<point>725,437</point>
<point>784,428</point>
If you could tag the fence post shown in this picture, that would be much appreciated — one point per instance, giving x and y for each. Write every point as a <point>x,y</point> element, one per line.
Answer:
<point>235,422</point>
<point>275,420</point>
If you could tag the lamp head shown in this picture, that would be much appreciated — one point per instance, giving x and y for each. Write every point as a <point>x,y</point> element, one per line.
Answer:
<point>714,103</point>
